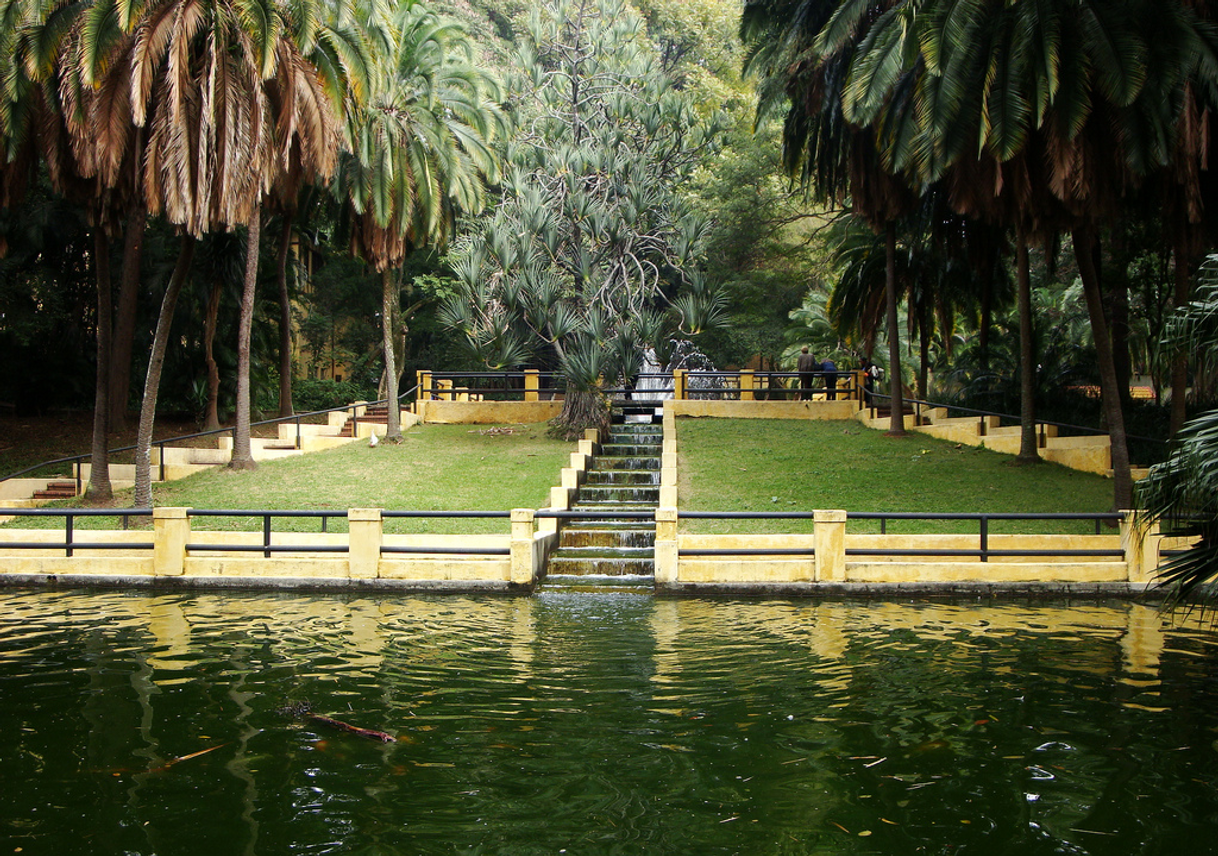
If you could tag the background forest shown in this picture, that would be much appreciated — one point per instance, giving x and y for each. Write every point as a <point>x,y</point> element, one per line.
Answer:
<point>725,247</point>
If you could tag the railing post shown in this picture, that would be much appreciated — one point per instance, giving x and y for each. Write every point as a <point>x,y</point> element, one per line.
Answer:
<point>67,535</point>
<point>524,569</point>
<point>829,540</point>
<point>746,385</point>
<point>266,536</point>
<point>531,385</point>
<point>666,555</point>
<point>985,539</point>
<point>170,535</point>
<point>678,383</point>
<point>365,534</point>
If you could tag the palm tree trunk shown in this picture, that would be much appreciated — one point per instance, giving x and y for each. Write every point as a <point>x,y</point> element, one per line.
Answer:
<point>100,489</point>
<point>125,317</point>
<point>1121,477</point>
<point>987,317</point>
<point>243,458</point>
<point>924,333</point>
<point>285,319</point>
<point>896,421</point>
<point>1179,364</point>
<point>152,382</point>
<point>389,297</point>
<point>1028,451</point>
<point>212,419</point>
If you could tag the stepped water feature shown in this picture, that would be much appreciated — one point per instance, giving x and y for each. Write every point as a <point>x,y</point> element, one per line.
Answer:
<point>613,552</point>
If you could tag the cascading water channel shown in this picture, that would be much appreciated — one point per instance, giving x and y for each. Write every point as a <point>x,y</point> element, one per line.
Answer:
<point>612,553</point>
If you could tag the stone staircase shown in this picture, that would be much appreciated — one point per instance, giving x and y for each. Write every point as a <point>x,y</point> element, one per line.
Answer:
<point>56,490</point>
<point>610,553</point>
<point>373,415</point>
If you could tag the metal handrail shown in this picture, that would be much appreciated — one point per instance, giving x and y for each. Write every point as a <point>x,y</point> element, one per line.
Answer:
<point>296,417</point>
<point>983,552</point>
<point>69,544</point>
<point>266,547</point>
<point>972,411</point>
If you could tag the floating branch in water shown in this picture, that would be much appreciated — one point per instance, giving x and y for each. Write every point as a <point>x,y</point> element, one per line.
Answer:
<point>302,710</point>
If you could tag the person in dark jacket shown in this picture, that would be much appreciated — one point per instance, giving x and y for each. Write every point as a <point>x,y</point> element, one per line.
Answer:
<point>807,366</point>
<point>829,368</point>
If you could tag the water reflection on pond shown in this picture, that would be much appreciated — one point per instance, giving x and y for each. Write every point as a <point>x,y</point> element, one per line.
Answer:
<point>592,723</point>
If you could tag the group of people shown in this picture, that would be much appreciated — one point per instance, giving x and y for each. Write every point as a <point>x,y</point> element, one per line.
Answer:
<point>810,368</point>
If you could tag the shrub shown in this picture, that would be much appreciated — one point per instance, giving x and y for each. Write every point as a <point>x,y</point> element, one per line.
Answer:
<point>322,394</point>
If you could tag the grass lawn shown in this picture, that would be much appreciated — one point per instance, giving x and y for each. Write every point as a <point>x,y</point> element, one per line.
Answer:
<point>436,467</point>
<point>797,465</point>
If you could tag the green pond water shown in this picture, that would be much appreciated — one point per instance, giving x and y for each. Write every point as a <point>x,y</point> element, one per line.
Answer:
<point>137,723</point>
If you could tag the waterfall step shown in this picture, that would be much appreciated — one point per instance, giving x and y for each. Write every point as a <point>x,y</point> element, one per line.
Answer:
<point>606,552</point>
<point>622,478</point>
<point>601,463</point>
<point>601,584</point>
<point>611,566</point>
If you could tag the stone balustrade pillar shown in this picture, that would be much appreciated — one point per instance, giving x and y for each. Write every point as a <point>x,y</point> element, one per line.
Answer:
<point>829,538</point>
<point>170,535</point>
<point>365,535</point>
<point>666,545</point>
<point>523,569</point>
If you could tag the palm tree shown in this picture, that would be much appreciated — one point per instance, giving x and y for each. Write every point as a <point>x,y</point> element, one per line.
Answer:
<point>803,50</point>
<point>1181,493</point>
<point>1038,88</point>
<point>420,152</point>
<point>230,104</point>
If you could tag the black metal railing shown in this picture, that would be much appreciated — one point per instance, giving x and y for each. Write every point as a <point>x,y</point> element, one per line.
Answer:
<point>70,544</point>
<point>1004,419</point>
<point>465,551</point>
<point>298,418</point>
<point>717,385</point>
<point>266,547</point>
<point>510,386</point>
<point>983,551</point>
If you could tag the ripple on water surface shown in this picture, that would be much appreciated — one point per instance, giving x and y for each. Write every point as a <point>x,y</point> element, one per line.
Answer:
<point>601,723</point>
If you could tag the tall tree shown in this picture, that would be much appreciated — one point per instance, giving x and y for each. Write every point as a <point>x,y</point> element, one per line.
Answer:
<point>420,154</point>
<point>591,255</point>
<point>802,51</point>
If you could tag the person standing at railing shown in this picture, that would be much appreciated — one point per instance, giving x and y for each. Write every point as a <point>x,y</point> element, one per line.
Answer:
<point>807,365</point>
<point>868,370</point>
<point>829,368</point>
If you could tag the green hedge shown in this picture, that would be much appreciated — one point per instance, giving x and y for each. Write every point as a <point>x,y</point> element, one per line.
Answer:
<point>321,394</point>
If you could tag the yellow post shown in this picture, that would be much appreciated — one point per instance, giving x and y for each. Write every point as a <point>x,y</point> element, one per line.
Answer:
<point>747,385</point>
<point>678,382</point>
<point>365,535</point>
<point>1138,542</point>
<point>531,385</point>
<point>170,534</point>
<point>523,571</point>
<point>829,538</point>
<point>666,545</point>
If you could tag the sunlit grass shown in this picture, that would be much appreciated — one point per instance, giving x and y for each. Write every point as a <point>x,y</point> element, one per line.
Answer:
<point>435,467</point>
<point>796,465</point>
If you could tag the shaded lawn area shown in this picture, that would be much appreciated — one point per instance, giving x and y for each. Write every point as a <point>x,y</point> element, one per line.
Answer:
<point>798,465</point>
<point>436,467</point>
